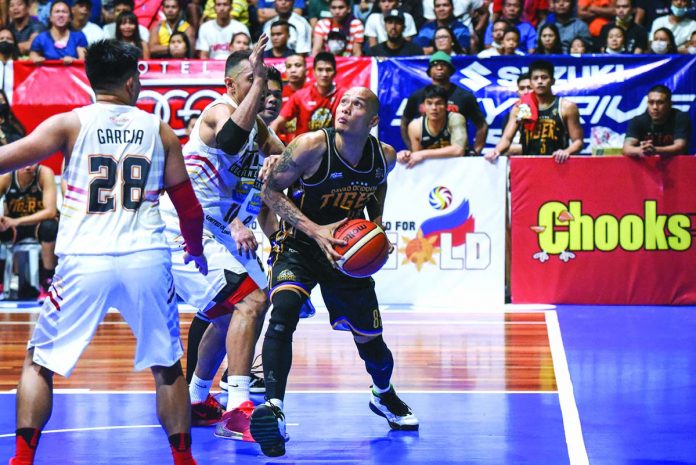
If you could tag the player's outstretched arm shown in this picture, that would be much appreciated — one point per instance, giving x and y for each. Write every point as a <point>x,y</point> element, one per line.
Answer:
<point>301,158</point>
<point>53,135</point>
<point>189,210</point>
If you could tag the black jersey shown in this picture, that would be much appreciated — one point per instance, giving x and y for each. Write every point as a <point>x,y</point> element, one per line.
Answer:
<point>23,202</point>
<point>338,190</point>
<point>435,141</point>
<point>549,133</point>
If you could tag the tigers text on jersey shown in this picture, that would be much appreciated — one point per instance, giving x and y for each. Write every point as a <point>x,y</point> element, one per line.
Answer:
<point>338,190</point>
<point>25,201</point>
<point>227,185</point>
<point>114,178</point>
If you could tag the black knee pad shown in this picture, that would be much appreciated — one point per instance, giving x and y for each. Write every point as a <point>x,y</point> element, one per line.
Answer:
<point>285,314</point>
<point>375,352</point>
<point>48,231</point>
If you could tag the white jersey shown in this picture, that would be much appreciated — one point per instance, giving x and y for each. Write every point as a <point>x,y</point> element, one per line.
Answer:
<point>114,178</point>
<point>226,185</point>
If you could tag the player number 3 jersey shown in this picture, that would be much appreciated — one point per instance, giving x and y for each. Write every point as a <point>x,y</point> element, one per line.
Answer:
<point>114,178</point>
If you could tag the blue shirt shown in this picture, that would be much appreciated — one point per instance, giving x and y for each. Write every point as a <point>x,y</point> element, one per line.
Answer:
<point>427,33</point>
<point>528,36</point>
<point>46,47</point>
<point>270,4</point>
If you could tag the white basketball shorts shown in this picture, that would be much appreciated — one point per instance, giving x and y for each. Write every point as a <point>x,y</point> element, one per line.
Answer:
<point>139,285</point>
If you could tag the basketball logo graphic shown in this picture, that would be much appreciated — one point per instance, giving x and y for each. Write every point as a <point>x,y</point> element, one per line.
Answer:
<point>440,198</point>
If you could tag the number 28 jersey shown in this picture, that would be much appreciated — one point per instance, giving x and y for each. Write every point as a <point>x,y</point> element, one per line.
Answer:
<point>114,178</point>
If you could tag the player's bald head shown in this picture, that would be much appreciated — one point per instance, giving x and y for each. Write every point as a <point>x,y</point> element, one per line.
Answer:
<point>368,96</point>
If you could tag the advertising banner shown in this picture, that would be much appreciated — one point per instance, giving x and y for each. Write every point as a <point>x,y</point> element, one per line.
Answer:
<point>172,89</point>
<point>604,231</point>
<point>446,219</point>
<point>609,90</point>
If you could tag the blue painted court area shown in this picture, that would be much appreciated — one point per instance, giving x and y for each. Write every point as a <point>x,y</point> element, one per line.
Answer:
<point>324,428</point>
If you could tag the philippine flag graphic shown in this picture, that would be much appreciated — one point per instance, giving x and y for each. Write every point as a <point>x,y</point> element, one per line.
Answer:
<point>458,222</point>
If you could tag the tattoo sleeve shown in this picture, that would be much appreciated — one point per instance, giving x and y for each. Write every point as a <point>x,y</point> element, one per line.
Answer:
<point>283,174</point>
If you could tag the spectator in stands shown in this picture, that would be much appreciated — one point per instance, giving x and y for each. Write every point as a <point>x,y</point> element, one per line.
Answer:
<point>240,41</point>
<point>681,26</point>
<point>444,16</point>
<point>316,10</point>
<point>127,31</point>
<point>472,13</point>
<point>296,75</point>
<point>179,46</point>
<point>10,127</point>
<point>280,35</point>
<point>59,42</point>
<point>636,36</point>
<point>569,27</point>
<point>300,30</point>
<point>511,13</point>
<point>8,53</point>
<point>616,41</point>
<point>314,106</point>
<point>239,11</point>
<point>121,6</point>
<point>663,42</point>
<point>691,49</point>
<point>661,130</point>
<point>444,41</point>
<point>376,28</point>
<point>81,11</point>
<point>596,13</point>
<point>214,37</point>
<point>647,11</point>
<point>578,46</point>
<point>510,44</point>
<point>395,45</point>
<point>362,9</point>
<point>549,125</point>
<point>343,21</point>
<point>161,32</point>
<point>534,12</point>
<point>549,41</point>
<point>437,134</point>
<point>267,10</point>
<point>24,27</point>
<point>498,30</point>
<point>440,70</point>
<point>415,9</point>
<point>337,44</point>
<point>30,212</point>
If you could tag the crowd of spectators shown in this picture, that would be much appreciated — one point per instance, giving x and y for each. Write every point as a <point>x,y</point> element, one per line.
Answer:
<point>61,29</point>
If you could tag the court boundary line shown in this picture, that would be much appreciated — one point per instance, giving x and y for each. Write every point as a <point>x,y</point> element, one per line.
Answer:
<point>68,391</point>
<point>572,428</point>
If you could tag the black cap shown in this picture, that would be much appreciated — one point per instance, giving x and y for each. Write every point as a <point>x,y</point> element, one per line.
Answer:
<point>395,15</point>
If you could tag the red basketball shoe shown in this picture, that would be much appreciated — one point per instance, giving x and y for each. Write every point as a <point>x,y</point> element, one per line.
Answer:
<point>207,412</point>
<point>235,423</point>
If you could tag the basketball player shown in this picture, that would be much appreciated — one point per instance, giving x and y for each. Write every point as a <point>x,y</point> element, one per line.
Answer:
<point>223,156</point>
<point>556,130</point>
<point>111,247</point>
<point>322,170</point>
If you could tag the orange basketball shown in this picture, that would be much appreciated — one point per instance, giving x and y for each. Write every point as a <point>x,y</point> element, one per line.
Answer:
<point>366,249</point>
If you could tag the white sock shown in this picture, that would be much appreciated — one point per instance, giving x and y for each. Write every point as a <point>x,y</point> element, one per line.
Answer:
<point>377,390</point>
<point>277,402</point>
<point>237,391</point>
<point>199,389</point>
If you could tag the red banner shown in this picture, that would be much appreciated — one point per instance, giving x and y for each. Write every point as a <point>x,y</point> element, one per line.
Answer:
<point>172,89</point>
<point>604,231</point>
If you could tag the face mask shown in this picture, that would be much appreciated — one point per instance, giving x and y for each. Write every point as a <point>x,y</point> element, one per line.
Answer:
<point>4,110</point>
<point>692,50</point>
<point>6,48</point>
<point>659,46</point>
<point>336,46</point>
<point>678,12</point>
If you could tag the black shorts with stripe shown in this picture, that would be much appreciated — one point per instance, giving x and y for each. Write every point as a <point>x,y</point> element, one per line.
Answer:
<point>351,302</point>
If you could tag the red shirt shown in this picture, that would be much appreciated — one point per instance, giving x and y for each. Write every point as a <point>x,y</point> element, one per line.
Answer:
<point>288,132</point>
<point>312,110</point>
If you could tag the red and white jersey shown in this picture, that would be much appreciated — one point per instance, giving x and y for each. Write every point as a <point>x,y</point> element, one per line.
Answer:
<point>226,185</point>
<point>114,178</point>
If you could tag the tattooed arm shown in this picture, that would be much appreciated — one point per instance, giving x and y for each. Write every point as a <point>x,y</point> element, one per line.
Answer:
<point>300,159</point>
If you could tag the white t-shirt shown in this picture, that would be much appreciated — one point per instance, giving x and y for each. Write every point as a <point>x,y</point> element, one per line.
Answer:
<point>682,30</point>
<point>462,10</point>
<point>110,32</point>
<point>374,27</point>
<point>300,36</point>
<point>93,32</point>
<point>215,39</point>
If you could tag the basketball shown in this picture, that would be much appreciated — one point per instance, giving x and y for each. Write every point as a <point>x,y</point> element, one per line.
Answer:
<point>366,250</point>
